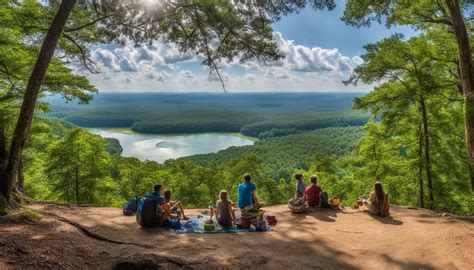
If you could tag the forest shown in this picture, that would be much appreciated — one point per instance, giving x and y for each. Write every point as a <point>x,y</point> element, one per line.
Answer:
<point>259,115</point>
<point>414,132</point>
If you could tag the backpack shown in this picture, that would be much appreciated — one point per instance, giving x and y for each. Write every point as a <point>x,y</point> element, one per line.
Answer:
<point>127,209</point>
<point>134,203</point>
<point>324,199</point>
<point>146,212</point>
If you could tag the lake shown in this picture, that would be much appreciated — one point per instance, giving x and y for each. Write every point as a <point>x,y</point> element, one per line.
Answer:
<point>159,147</point>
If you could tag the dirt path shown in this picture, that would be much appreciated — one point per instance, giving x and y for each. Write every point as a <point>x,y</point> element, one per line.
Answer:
<point>326,239</point>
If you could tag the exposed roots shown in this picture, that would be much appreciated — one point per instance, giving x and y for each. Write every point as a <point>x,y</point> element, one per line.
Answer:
<point>92,234</point>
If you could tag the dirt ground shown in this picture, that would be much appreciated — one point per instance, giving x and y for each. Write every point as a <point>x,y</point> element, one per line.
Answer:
<point>319,239</point>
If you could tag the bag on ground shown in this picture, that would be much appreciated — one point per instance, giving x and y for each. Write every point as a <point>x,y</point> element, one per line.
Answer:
<point>127,209</point>
<point>146,212</point>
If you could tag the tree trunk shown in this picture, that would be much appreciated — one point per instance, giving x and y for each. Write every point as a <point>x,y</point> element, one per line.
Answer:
<point>77,185</point>
<point>22,128</point>
<point>426,143</point>
<point>466,75</point>
<point>420,164</point>
<point>3,147</point>
<point>3,164</point>
<point>20,184</point>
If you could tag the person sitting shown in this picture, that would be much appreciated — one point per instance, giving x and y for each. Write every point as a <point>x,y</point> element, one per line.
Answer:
<point>300,194</point>
<point>160,203</point>
<point>378,203</point>
<point>175,207</point>
<point>247,194</point>
<point>224,212</point>
<point>312,191</point>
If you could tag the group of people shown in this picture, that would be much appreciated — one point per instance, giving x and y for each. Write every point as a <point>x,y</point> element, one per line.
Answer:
<point>310,193</point>
<point>168,209</point>
<point>377,204</point>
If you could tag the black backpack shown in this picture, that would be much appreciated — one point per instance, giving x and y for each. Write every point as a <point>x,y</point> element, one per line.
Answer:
<point>146,212</point>
<point>324,199</point>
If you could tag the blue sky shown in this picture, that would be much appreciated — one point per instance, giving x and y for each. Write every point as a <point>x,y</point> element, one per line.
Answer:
<point>320,51</point>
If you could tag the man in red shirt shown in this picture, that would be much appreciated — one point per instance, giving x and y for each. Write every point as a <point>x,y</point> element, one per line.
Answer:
<point>312,191</point>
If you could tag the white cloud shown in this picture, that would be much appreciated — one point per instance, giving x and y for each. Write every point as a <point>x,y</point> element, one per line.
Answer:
<point>277,73</point>
<point>161,67</point>
<point>129,58</point>
<point>186,74</point>
<point>301,58</point>
<point>162,76</point>
<point>127,65</point>
<point>249,77</point>
<point>105,58</point>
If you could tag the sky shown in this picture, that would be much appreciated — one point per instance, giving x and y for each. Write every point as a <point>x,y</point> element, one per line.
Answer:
<point>320,51</point>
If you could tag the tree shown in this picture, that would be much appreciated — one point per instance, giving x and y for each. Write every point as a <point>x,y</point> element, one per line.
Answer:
<point>22,25</point>
<point>78,166</point>
<point>427,14</point>
<point>419,84</point>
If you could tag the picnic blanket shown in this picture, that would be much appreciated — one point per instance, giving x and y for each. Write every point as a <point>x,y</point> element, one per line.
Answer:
<point>196,225</point>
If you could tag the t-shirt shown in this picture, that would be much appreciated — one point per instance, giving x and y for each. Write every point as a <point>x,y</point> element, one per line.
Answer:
<point>245,191</point>
<point>225,218</point>
<point>312,194</point>
<point>156,197</point>
<point>299,188</point>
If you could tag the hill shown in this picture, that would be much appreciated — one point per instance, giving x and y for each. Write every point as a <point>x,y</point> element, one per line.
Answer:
<point>283,155</point>
<point>327,239</point>
<point>253,114</point>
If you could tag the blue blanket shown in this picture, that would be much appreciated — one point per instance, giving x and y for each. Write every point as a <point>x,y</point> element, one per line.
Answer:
<point>196,225</point>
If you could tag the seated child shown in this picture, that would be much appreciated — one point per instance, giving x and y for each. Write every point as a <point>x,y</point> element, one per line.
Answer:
<point>175,207</point>
<point>224,211</point>
<point>300,194</point>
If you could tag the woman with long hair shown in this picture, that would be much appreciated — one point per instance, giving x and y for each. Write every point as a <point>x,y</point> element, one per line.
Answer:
<point>378,203</point>
<point>224,211</point>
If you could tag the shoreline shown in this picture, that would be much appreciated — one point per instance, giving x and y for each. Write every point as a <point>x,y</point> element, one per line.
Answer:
<point>127,130</point>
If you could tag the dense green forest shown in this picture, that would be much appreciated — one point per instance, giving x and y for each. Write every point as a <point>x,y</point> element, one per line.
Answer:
<point>260,115</point>
<point>106,178</point>
<point>338,155</point>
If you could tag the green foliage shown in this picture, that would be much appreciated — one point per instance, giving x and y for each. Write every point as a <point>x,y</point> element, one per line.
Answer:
<point>417,149</point>
<point>257,115</point>
<point>78,168</point>
<point>281,156</point>
<point>421,14</point>
<point>113,147</point>
<point>197,180</point>
<point>26,214</point>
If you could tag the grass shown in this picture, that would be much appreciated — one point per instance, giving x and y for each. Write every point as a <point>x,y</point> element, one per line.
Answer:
<point>238,134</point>
<point>3,207</point>
<point>26,214</point>
<point>125,130</point>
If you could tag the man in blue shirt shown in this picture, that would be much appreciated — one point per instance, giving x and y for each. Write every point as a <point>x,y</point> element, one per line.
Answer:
<point>156,195</point>
<point>246,192</point>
